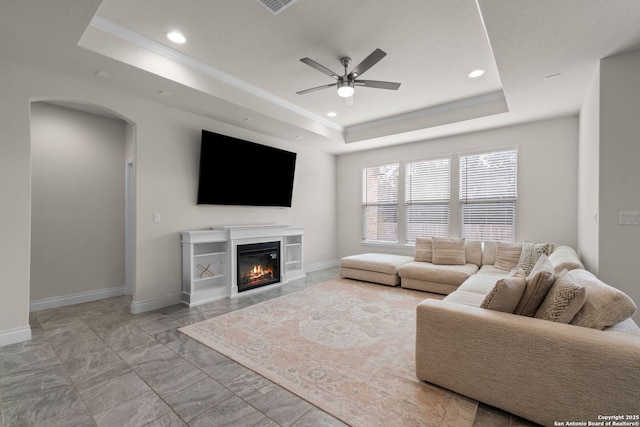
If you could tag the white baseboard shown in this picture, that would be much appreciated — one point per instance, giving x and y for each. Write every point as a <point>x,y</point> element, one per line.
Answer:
<point>320,266</point>
<point>16,335</point>
<point>138,307</point>
<point>55,302</point>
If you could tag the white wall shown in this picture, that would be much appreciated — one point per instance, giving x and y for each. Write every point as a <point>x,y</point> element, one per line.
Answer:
<point>588,178</point>
<point>78,195</point>
<point>620,171</point>
<point>15,208</point>
<point>547,179</point>
<point>166,156</point>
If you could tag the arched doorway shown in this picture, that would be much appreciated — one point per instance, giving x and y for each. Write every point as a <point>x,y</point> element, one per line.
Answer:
<point>82,244</point>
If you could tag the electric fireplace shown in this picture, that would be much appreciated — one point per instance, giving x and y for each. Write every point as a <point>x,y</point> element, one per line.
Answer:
<point>258,265</point>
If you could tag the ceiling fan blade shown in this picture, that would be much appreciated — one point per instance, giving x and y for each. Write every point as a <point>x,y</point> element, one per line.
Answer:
<point>377,84</point>
<point>310,62</point>
<point>368,62</point>
<point>313,89</point>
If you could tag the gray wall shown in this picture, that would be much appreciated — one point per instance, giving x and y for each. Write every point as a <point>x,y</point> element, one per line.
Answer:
<point>620,172</point>
<point>78,195</point>
<point>609,173</point>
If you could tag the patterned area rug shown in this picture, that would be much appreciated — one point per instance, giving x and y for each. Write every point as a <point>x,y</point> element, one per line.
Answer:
<point>346,347</point>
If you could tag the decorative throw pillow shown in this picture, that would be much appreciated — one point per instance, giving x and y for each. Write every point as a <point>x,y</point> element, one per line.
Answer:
<point>539,281</point>
<point>424,247</point>
<point>530,254</point>
<point>563,300</point>
<point>448,251</point>
<point>507,255</point>
<point>604,305</point>
<point>506,293</point>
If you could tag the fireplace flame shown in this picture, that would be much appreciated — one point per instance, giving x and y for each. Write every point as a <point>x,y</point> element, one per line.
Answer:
<point>258,273</point>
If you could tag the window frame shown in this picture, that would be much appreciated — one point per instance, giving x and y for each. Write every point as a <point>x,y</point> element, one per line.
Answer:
<point>434,196</point>
<point>499,198</point>
<point>385,203</point>
<point>456,204</point>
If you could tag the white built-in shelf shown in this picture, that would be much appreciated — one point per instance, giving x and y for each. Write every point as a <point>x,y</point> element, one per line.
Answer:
<point>205,266</point>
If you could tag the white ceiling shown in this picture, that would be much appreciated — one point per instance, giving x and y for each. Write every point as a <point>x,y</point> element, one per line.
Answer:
<point>241,63</point>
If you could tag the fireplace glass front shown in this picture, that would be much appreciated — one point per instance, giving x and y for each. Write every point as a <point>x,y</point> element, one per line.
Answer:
<point>258,265</point>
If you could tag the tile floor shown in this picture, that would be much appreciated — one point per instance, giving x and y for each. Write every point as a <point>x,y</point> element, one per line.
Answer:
<point>96,364</point>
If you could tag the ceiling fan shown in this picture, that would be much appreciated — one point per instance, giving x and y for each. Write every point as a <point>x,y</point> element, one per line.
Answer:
<point>346,83</point>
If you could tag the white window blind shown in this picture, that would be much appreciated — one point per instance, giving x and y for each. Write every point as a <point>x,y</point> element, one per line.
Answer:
<point>427,194</point>
<point>488,194</point>
<point>380,202</point>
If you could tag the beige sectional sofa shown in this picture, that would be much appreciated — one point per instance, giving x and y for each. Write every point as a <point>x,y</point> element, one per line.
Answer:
<point>571,353</point>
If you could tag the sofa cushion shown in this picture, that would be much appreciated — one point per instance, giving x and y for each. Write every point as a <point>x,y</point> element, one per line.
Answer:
<point>464,297</point>
<point>507,255</point>
<point>473,252</point>
<point>604,305</point>
<point>564,258</point>
<point>424,248</point>
<point>530,254</point>
<point>448,251</point>
<point>489,253</point>
<point>539,281</point>
<point>448,274</point>
<point>484,280</point>
<point>563,300</point>
<point>627,326</point>
<point>382,263</point>
<point>506,293</point>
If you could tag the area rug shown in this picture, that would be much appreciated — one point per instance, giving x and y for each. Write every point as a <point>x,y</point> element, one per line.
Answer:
<point>345,346</point>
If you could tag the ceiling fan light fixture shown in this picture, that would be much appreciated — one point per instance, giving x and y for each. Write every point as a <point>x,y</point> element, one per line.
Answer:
<point>345,89</point>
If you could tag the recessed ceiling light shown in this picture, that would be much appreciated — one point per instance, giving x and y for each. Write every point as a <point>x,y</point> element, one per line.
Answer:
<point>476,73</point>
<point>176,37</point>
<point>332,114</point>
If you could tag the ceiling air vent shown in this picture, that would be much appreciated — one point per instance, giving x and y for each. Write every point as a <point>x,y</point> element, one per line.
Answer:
<point>276,6</point>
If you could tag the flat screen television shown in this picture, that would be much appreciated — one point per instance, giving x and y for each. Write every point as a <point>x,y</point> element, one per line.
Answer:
<point>238,172</point>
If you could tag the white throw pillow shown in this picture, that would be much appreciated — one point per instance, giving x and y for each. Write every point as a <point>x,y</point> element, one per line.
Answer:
<point>506,293</point>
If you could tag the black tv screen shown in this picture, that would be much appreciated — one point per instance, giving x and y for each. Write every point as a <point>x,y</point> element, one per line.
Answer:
<point>239,172</point>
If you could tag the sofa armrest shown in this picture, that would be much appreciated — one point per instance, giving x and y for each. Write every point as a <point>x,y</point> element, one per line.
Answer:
<point>536,369</point>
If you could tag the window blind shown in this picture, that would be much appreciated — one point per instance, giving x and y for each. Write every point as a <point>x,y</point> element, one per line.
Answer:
<point>488,195</point>
<point>427,196</point>
<point>380,202</point>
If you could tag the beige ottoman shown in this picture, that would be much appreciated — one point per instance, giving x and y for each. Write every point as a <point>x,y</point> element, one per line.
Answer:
<point>374,267</point>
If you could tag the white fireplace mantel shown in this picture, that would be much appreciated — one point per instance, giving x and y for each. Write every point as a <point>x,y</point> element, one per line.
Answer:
<point>237,232</point>
<point>209,258</point>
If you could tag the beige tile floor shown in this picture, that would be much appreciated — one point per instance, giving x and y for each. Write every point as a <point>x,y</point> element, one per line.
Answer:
<point>96,364</point>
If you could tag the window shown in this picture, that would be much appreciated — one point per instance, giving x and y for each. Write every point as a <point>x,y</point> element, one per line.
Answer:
<point>488,194</point>
<point>380,202</point>
<point>427,194</point>
<point>405,200</point>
